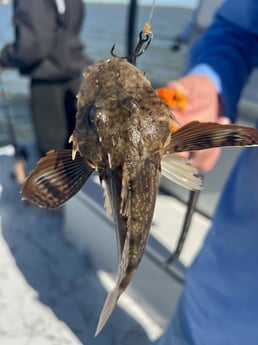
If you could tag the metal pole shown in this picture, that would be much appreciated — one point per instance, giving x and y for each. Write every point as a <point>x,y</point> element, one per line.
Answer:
<point>191,206</point>
<point>131,27</point>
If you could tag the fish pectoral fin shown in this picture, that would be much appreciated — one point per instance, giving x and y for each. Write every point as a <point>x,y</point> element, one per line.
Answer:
<point>56,179</point>
<point>180,171</point>
<point>205,135</point>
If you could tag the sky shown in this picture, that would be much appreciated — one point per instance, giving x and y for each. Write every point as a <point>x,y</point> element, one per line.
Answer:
<point>179,3</point>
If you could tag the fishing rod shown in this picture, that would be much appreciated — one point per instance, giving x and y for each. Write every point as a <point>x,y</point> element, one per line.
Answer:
<point>20,153</point>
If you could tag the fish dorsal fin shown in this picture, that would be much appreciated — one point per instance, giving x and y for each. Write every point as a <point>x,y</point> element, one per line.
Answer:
<point>180,171</point>
<point>204,135</point>
<point>56,179</point>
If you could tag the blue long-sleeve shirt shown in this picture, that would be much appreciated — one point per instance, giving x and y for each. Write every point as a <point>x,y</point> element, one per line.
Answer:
<point>230,47</point>
<point>219,302</point>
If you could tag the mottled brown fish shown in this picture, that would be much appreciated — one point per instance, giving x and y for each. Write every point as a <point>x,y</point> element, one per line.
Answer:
<point>123,130</point>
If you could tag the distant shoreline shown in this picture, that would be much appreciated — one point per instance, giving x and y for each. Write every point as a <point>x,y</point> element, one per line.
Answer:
<point>144,3</point>
<point>118,3</point>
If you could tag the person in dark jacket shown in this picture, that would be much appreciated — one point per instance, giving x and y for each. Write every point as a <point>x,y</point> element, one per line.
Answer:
<point>47,48</point>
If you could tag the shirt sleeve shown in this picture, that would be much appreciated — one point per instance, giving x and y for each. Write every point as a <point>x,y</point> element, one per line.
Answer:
<point>35,24</point>
<point>230,48</point>
<point>209,72</point>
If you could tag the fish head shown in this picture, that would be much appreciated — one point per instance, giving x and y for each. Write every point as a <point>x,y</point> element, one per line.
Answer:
<point>120,117</point>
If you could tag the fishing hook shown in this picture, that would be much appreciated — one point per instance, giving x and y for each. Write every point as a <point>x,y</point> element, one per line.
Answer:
<point>143,43</point>
<point>114,55</point>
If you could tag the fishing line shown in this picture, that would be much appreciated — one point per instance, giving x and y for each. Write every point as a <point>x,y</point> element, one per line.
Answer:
<point>146,29</point>
<point>151,12</point>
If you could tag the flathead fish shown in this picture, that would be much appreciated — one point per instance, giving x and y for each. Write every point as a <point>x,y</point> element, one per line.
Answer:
<point>124,131</point>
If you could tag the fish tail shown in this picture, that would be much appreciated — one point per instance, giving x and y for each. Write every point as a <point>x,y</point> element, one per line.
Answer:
<point>108,308</point>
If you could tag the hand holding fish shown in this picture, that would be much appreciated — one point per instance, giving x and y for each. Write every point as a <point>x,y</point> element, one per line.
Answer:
<point>202,105</point>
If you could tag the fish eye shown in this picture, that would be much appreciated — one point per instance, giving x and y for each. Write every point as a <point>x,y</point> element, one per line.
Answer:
<point>89,116</point>
<point>92,113</point>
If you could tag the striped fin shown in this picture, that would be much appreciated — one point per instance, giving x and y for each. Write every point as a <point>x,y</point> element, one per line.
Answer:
<point>205,135</point>
<point>56,179</point>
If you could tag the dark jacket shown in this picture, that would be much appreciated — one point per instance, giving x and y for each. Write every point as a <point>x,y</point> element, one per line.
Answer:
<point>47,44</point>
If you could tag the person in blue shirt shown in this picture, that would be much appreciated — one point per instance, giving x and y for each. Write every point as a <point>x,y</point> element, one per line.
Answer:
<point>219,302</point>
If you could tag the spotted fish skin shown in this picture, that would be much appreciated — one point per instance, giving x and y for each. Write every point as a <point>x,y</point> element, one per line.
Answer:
<point>122,128</point>
<point>119,114</point>
<point>127,126</point>
<point>124,132</point>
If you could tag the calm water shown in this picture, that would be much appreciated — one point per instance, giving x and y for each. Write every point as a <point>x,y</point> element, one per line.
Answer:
<point>104,26</point>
